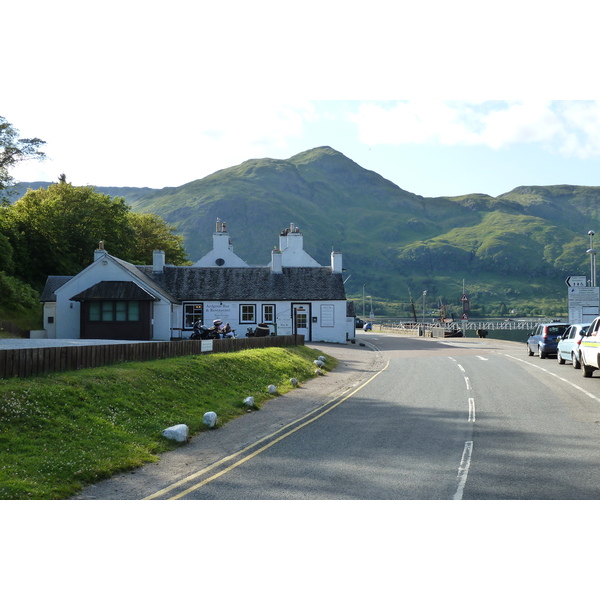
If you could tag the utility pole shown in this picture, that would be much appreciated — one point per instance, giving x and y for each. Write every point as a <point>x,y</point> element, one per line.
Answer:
<point>592,254</point>
<point>364,301</point>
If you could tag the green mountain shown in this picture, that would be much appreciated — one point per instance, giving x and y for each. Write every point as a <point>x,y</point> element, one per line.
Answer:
<point>512,252</point>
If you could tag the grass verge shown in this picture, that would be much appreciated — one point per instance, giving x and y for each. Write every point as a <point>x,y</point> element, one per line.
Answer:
<point>61,432</point>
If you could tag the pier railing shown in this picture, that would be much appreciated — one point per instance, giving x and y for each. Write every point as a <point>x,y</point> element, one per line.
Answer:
<point>445,329</point>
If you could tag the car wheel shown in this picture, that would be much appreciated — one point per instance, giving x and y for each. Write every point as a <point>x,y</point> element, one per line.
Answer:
<point>585,370</point>
<point>575,361</point>
<point>542,353</point>
<point>561,360</point>
<point>529,351</point>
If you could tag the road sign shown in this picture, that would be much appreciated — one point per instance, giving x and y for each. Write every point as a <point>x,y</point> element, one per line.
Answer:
<point>584,304</point>
<point>464,298</point>
<point>576,281</point>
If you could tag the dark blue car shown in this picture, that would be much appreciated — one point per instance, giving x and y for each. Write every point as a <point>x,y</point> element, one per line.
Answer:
<point>543,340</point>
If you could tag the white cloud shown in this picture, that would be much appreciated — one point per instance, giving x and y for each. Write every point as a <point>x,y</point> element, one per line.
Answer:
<point>523,122</point>
<point>411,122</point>
<point>570,128</point>
<point>582,129</point>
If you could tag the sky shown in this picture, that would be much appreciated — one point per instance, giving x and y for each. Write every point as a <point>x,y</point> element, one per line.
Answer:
<point>441,99</point>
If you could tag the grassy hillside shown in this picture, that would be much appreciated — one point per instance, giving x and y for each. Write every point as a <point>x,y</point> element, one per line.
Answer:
<point>513,252</point>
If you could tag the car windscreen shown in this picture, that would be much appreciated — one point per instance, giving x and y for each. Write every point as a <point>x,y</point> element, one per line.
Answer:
<point>556,329</point>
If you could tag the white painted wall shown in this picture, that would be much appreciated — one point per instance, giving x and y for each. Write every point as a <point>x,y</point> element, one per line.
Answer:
<point>293,253</point>
<point>331,324</point>
<point>223,249</point>
<point>67,319</point>
<point>49,310</point>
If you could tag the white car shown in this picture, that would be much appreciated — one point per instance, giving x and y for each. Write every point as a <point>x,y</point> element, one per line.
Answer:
<point>569,344</point>
<point>590,349</point>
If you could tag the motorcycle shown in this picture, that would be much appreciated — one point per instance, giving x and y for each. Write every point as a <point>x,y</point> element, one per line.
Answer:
<point>202,332</point>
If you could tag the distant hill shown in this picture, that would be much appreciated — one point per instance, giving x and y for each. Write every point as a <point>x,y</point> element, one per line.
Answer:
<point>513,251</point>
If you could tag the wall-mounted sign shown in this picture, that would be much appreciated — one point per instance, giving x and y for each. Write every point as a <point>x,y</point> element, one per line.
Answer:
<point>327,315</point>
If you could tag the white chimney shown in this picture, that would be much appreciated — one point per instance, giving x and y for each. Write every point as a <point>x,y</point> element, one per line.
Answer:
<point>99,252</point>
<point>336,262</point>
<point>158,261</point>
<point>276,263</point>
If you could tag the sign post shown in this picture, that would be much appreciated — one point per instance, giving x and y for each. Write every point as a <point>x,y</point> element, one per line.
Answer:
<point>583,301</point>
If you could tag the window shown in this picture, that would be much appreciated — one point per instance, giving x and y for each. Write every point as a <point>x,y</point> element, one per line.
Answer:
<point>107,311</point>
<point>110,310</point>
<point>134,311</point>
<point>94,311</point>
<point>120,311</point>
<point>191,313</point>
<point>301,320</point>
<point>268,313</point>
<point>248,313</point>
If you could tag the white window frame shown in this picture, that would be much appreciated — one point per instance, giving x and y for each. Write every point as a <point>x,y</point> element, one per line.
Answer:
<point>185,313</point>
<point>245,321</point>
<point>264,316</point>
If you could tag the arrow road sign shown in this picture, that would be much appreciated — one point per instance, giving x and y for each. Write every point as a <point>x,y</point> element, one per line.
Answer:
<point>576,281</point>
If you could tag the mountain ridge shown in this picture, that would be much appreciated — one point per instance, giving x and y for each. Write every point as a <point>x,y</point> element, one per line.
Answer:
<point>514,250</point>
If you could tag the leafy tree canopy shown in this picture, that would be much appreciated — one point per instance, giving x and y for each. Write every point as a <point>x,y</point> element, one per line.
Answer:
<point>153,233</point>
<point>54,231</point>
<point>14,150</point>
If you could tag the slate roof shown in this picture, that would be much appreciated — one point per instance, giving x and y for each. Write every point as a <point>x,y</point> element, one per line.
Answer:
<point>53,282</point>
<point>114,290</point>
<point>248,283</point>
<point>140,273</point>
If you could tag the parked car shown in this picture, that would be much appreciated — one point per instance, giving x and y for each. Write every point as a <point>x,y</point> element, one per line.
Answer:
<point>543,340</point>
<point>359,323</point>
<point>569,345</point>
<point>590,349</point>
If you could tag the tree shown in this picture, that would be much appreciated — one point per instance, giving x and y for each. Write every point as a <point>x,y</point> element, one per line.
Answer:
<point>153,233</point>
<point>14,150</point>
<point>55,230</point>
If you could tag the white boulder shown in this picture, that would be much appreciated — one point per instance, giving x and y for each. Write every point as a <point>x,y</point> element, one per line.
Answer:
<point>249,401</point>
<point>210,419</point>
<point>272,389</point>
<point>178,433</point>
<point>294,382</point>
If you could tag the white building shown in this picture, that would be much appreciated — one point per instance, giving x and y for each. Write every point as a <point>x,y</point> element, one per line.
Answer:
<point>113,299</point>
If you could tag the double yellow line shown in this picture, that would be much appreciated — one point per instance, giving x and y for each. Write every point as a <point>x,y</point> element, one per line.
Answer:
<point>304,421</point>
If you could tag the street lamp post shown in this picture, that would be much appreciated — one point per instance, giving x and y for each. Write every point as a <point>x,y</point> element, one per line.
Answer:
<point>364,301</point>
<point>424,294</point>
<point>592,254</point>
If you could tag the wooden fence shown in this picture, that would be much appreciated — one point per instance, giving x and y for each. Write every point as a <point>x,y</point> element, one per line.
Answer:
<point>25,362</point>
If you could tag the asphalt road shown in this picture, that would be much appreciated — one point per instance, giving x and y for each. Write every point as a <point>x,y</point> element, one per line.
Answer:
<point>402,418</point>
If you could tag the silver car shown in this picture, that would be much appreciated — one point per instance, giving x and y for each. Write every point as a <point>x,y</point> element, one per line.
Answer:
<point>569,345</point>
